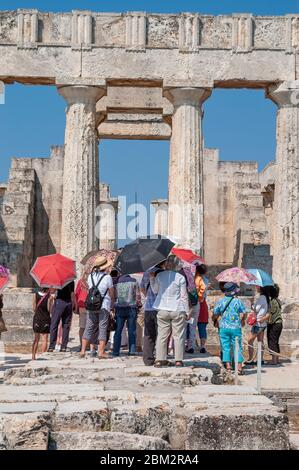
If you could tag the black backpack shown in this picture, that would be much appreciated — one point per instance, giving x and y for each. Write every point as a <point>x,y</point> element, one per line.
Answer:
<point>94,299</point>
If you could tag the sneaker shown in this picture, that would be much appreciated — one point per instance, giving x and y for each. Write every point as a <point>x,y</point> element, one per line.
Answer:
<point>57,347</point>
<point>190,351</point>
<point>203,351</point>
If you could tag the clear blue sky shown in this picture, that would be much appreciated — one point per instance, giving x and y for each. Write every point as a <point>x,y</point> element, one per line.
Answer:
<point>240,122</point>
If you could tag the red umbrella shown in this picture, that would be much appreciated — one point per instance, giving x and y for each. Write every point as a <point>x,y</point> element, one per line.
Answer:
<point>53,271</point>
<point>187,255</point>
<point>4,278</point>
<point>4,281</point>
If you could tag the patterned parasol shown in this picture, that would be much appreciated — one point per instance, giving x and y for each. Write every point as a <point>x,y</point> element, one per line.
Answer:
<point>236,275</point>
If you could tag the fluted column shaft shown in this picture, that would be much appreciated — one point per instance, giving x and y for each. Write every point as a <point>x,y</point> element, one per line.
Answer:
<point>81,171</point>
<point>286,201</point>
<point>185,184</point>
<point>107,225</point>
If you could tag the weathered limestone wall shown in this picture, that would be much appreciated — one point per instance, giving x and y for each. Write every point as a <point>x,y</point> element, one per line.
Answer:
<point>48,202</point>
<point>235,223</point>
<point>218,210</point>
<point>17,224</point>
<point>31,213</point>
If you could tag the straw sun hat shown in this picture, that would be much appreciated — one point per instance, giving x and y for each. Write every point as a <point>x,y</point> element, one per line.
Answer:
<point>102,263</point>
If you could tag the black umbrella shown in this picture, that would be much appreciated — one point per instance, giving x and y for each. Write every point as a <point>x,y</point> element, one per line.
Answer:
<point>143,253</point>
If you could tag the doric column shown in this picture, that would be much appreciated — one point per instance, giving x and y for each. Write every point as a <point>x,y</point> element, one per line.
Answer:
<point>286,200</point>
<point>161,216</point>
<point>108,224</point>
<point>185,184</point>
<point>81,171</point>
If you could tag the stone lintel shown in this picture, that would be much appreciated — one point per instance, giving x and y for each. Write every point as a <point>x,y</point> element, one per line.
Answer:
<point>135,82</point>
<point>135,99</point>
<point>134,131</point>
<point>187,83</point>
<point>81,81</point>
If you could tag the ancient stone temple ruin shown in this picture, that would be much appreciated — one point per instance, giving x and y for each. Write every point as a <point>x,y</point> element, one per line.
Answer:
<point>240,206</point>
<point>147,76</point>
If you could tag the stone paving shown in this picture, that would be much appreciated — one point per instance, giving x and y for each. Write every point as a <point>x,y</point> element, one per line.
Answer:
<point>62,402</point>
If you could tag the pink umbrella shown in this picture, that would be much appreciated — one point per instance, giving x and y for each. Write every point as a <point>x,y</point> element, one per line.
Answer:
<point>236,275</point>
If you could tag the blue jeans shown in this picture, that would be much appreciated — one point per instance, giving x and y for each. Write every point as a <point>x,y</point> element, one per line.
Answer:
<point>123,315</point>
<point>227,339</point>
<point>202,330</point>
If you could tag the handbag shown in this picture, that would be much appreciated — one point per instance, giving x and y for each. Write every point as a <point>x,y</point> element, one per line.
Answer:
<point>251,319</point>
<point>216,321</point>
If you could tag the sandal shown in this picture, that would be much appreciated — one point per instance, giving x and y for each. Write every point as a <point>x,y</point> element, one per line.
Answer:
<point>104,357</point>
<point>250,363</point>
<point>240,372</point>
<point>179,364</point>
<point>162,364</point>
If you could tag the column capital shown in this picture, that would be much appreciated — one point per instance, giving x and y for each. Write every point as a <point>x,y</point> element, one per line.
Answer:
<point>85,94</point>
<point>113,202</point>
<point>285,94</point>
<point>187,95</point>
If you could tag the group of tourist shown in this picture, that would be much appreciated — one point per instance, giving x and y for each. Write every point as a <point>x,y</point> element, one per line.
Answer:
<point>172,304</point>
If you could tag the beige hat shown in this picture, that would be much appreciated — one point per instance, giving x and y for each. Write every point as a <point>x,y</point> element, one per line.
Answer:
<point>102,263</point>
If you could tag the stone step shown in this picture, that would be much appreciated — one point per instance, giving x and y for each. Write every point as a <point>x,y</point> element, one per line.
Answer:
<point>16,317</point>
<point>18,299</point>
<point>288,335</point>
<point>104,441</point>
<point>291,324</point>
<point>18,334</point>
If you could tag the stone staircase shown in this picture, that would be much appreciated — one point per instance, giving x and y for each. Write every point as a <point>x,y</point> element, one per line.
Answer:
<point>64,402</point>
<point>16,223</point>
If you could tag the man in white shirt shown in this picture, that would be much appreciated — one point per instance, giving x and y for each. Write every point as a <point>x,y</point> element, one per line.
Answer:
<point>173,310</point>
